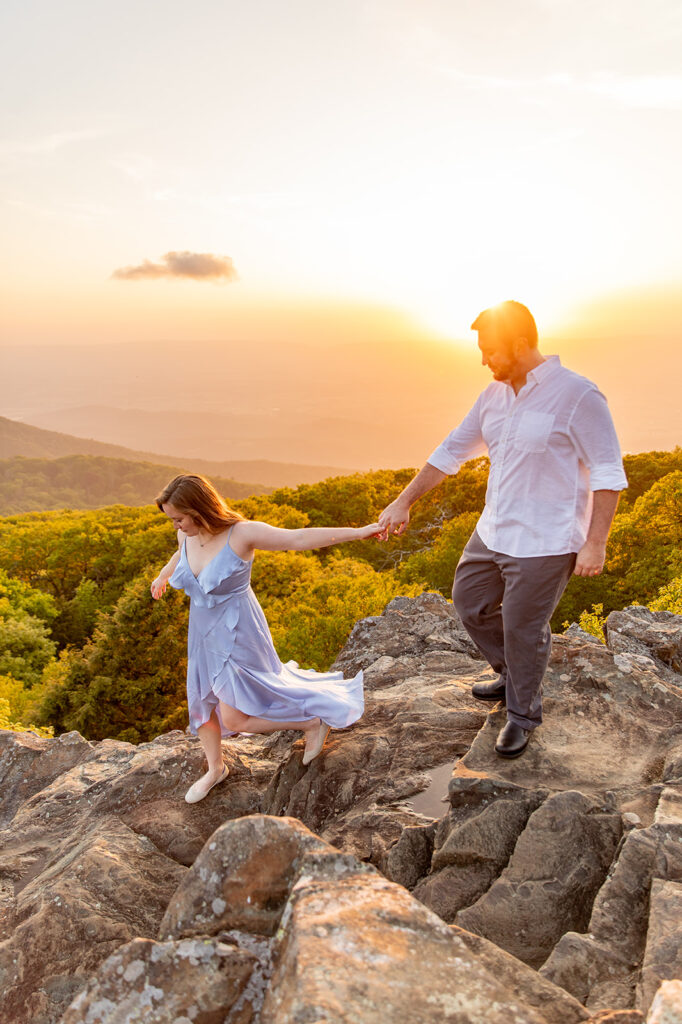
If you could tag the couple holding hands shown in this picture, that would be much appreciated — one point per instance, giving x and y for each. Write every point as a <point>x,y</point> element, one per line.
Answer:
<point>555,476</point>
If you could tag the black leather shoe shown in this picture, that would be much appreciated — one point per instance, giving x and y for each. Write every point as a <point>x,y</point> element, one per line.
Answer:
<point>512,740</point>
<point>490,691</point>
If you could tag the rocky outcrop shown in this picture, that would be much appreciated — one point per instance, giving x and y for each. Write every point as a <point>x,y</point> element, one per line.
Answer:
<point>603,966</point>
<point>347,945</point>
<point>655,637</point>
<point>419,716</point>
<point>559,863</point>
<point>93,853</point>
<point>408,871</point>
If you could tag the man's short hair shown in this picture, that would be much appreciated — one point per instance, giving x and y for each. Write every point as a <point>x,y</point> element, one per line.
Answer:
<point>509,318</point>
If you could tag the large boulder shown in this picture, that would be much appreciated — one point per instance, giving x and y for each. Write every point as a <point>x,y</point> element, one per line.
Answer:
<point>241,878</point>
<point>352,946</point>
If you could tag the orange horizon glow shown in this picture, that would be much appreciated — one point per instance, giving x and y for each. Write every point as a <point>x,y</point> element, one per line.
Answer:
<point>364,177</point>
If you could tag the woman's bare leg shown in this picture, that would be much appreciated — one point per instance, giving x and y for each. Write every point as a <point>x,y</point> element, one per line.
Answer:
<point>211,740</point>
<point>239,722</point>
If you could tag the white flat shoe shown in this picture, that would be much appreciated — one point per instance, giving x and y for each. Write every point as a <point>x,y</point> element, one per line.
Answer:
<point>195,793</point>
<point>311,752</point>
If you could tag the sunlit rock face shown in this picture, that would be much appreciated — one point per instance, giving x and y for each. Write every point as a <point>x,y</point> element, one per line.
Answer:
<point>407,873</point>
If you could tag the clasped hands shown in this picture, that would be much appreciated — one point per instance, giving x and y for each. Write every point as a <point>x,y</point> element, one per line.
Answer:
<point>393,520</point>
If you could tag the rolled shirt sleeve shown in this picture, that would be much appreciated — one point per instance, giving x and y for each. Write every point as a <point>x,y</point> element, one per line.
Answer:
<point>462,443</point>
<point>592,432</point>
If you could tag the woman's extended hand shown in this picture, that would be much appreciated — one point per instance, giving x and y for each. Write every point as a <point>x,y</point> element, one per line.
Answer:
<point>158,587</point>
<point>373,530</point>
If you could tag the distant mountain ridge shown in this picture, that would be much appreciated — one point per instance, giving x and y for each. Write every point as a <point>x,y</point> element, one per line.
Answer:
<point>91,482</point>
<point>357,405</point>
<point>289,433</point>
<point>35,443</point>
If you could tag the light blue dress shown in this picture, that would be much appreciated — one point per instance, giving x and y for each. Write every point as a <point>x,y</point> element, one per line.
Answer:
<point>231,656</point>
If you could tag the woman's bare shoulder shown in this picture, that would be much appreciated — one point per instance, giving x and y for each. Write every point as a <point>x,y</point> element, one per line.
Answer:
<point>241,539</point>
<point>242,527</point>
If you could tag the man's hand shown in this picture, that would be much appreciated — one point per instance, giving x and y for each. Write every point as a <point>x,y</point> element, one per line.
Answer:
<point>592,555</point>
<point>394,519</point>
<point>396,516</point>
<point>590,560</point>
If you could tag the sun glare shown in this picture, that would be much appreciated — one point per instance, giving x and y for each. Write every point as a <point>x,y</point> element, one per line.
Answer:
<point>450,313</point>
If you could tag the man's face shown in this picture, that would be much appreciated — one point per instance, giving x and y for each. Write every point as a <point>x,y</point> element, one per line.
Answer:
<point>497,353</point>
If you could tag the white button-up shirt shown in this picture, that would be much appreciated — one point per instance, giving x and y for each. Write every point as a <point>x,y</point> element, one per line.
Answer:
<point>550,446</point>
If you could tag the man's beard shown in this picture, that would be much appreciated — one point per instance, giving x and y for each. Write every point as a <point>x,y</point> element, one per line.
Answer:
<point>503,373</point>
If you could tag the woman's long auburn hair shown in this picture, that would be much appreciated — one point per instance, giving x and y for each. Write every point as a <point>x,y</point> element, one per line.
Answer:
<point>197,497</point>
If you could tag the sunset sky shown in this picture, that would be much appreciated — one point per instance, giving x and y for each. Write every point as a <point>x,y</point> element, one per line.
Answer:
<point>340,167</point>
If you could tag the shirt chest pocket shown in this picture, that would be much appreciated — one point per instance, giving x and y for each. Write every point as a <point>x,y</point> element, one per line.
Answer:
<point>533,430</point>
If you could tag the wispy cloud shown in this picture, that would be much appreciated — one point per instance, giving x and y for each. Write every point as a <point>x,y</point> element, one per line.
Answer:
<point>198,266</point>
<point>45,144</point>
<point>83,211</point>
<point>253,202</point>
<point>653,92</point>
<point>137,166</point>
<point>646,92</point>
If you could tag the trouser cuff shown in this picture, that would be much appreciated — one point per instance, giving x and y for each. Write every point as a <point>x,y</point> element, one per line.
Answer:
<point>525,723</point>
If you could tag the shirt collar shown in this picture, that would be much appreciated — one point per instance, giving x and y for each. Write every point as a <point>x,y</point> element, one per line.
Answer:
<point>545,369</point>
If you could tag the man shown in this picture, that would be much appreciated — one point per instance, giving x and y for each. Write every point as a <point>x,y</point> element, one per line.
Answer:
<point>555,476</point>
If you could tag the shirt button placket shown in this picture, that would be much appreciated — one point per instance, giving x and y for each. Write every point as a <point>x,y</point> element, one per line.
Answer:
<point>506,431</point>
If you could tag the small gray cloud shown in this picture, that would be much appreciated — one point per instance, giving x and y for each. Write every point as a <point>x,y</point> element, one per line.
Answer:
<point>198,266</point>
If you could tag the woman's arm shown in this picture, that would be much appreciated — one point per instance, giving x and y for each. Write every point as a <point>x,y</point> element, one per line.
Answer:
<point>248,537</point>
<point>161,582</point>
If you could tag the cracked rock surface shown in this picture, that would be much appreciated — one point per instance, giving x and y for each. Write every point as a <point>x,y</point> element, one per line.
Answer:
<point>407,873</point>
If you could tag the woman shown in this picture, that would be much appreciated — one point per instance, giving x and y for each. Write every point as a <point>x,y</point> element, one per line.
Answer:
<point>235,681</point>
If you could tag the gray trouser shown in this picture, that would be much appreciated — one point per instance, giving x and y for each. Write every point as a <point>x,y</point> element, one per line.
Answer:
<point>506,603</point>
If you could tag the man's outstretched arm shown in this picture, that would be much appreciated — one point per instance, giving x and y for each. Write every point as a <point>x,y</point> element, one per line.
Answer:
<point>464,442</point>
<point>592,555</point>
<point>396,516</point>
